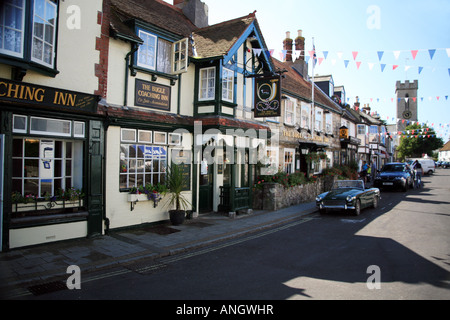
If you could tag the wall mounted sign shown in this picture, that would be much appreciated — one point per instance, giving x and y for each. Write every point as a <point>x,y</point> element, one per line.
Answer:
<point>152,95</point>
<point>343,133</point>
<point>26,93</point>
<point>268,97</point>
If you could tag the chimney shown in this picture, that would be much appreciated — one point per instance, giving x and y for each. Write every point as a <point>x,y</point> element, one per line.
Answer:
<point>300,45</point>
<point>356,106</point>
<point>194,10</point>
<point>287,45</point>
<point>366,109</point>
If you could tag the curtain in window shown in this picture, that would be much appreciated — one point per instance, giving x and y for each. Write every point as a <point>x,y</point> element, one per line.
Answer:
<point>11,25</point>
<point>164,56</point>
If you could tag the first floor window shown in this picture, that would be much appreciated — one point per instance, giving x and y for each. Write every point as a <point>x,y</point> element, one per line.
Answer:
<point>45,167</point>
<point>227,85</point>
<point>273,160</point>
<point>289,112</point>
<point>207,84</point>
<point>141,163</point>
<point>12,24</point>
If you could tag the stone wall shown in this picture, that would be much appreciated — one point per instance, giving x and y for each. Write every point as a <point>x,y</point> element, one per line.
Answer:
<point>274,196</point>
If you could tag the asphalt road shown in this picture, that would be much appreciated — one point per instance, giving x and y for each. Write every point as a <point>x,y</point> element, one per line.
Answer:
<point>401,250</point>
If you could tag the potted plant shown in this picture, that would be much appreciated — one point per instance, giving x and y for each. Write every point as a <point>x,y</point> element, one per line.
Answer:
<point>175,186</point>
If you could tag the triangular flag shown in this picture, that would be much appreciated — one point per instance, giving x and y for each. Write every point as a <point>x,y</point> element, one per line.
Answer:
<point>346,63</point>
<point>358,64</point>
<point>382,67</point>
<point>380,55</point>
<point>448,52</point>
<point>371,65</point>
<point>437,98</point>
<point>407,68</point>
<point>320,61</point>
<point>414,53</point>
<point>396,54</point>
<point>449,71</point>
<point>257,52</point>
<point>355,54</point>
<point>432,52</point>
<point>420,69</point>
<point>339,54</point>
<point>394,67</point>
<point>325,54</point>
<point>414,99</point>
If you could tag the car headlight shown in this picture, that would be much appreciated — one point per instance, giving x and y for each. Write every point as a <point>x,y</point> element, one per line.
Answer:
<point>350,199</point>
<point>318,199</point>
<point>399,178</point>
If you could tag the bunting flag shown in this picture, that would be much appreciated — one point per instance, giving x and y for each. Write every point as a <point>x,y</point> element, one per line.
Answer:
<point>414,54</point>
<point>382,67</point>
<point>325,54</point>
<point>346,63</point>
<point>394,67</point>
<point>355,54</point>
<point>396,54</point>
<point>432,52</point>
<point>420,69</point>
<point>358,64</point>
<point>380,55</point>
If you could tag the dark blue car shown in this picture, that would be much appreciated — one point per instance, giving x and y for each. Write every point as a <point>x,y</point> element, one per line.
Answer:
<point>396,175</point>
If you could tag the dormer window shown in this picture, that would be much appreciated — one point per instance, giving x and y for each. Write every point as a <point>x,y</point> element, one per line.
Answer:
<point>161,55</point>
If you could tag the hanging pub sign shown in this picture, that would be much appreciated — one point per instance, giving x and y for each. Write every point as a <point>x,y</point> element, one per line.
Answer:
<point>27,93</point>
<point>268,97</point>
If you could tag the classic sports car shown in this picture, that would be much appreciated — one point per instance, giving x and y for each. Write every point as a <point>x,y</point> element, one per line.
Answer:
<point>348,195</point>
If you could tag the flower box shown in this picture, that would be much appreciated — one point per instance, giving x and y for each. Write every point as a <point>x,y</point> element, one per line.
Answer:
<point>47,205</point>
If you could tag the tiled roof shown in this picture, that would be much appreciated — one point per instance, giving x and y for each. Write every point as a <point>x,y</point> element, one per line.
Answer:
<point>155,12</point>
<point>218,39</point>
<point>296,84</point>
<point>446,147</point>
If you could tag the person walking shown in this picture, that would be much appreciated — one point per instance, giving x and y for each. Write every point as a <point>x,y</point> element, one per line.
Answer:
<point>418,172</point>
<point>374,170</point>
<point>363,173</point>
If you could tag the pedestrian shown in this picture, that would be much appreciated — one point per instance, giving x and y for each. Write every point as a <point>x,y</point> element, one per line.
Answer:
<point>363,173</point>
<point>418,172</point>
<point>374,170</point>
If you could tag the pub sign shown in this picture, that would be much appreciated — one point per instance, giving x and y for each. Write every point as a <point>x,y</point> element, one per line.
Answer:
<point>268,97</point>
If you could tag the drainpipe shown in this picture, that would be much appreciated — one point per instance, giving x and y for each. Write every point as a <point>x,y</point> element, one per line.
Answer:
<point>133,73</point>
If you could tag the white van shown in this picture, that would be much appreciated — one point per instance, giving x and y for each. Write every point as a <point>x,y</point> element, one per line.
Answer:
<point>428,165</point>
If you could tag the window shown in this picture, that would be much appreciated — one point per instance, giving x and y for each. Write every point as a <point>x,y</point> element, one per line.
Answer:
<point>12,24</point>
<point>147,51</point>
<point>361,129</point>
<point>207,83</point>
<point>180,56</point>
<point>161,55</point>
<point>272,157</point>
<point>319,114</point>
<point>44,30</point>
<point>306,118</point>
<point>289,158</point>
<point>140,163</point>
<point>49,127</point>
<point>39,46</point>
<point>329,123</point>
<point>289,112</point>
<point>44,167</point>
<point>227,85</point>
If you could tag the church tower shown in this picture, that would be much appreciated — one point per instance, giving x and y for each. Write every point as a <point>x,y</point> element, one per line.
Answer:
<point>406,103</point>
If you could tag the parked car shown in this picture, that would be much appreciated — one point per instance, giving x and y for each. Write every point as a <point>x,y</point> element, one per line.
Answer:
<point>445,164</point>
<point>428,165</point>
<point>395,175</point>
<point>348,195</point>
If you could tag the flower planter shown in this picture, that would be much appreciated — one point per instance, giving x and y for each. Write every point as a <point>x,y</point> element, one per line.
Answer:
<point>47,205</point>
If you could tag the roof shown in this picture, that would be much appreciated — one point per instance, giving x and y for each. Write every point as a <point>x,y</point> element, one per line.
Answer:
<point>446,147</point>
<point>295,84</point>
<point>217,40</point>
<point>155,12</point>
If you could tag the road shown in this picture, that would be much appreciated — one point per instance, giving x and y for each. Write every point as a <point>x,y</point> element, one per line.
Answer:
<point>401,250</point>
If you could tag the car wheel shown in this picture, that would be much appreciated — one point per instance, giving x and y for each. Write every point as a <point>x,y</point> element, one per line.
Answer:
<point>430,172</point>
<point>357,210</point>
<point>375,202</point>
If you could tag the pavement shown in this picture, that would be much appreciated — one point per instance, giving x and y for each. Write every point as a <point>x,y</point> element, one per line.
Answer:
<point>23,269</point>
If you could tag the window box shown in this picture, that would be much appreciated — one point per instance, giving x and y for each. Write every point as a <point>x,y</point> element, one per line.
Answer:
<point>47,205</point>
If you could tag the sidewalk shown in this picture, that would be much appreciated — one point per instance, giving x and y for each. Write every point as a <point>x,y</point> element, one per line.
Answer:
<point>21,268</point>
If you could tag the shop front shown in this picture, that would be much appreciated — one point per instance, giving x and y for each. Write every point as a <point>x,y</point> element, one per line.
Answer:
<point>52,176</point>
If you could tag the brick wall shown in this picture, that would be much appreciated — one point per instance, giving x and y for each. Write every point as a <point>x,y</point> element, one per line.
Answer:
<point>102,45</point>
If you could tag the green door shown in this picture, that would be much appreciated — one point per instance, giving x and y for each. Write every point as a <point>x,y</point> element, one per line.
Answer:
<point>206,188</point>
<point>95,178</point>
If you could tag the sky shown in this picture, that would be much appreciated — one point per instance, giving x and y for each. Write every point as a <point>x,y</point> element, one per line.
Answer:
<point>355,32</point>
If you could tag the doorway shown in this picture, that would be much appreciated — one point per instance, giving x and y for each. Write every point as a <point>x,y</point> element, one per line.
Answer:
<point>206,181</point>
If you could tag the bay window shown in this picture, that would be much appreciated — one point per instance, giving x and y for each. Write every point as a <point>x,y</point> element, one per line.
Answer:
<point>227,85</point>
<point>142,162</point>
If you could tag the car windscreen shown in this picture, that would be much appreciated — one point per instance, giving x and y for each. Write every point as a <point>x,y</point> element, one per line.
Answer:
<point>393,168</point>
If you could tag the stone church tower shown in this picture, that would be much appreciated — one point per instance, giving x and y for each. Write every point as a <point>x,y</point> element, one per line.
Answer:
<point>406,103</point>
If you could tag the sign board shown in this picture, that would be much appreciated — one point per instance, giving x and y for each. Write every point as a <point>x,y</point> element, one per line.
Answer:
<point>152,95</point>
<point>268,97</point>
<point>343,133</point>
<point>20,92</point>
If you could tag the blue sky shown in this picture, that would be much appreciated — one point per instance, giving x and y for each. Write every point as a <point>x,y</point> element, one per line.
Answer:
<point>366,27</point>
